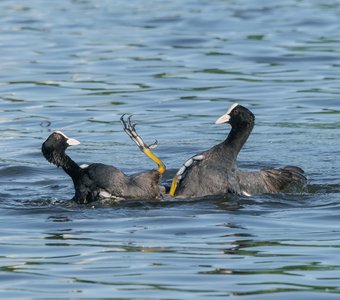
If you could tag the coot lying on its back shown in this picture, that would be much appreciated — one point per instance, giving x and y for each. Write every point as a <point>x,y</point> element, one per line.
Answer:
<point>215,170</point>
<point>98,181</point>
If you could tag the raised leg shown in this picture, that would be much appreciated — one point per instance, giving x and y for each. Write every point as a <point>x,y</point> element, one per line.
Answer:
<point>130,130</point>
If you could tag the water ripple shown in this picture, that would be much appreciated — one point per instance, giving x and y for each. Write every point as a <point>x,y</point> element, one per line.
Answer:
<point>77,66</point>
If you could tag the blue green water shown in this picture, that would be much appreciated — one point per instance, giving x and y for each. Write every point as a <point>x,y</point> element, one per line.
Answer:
<point>77,66</point>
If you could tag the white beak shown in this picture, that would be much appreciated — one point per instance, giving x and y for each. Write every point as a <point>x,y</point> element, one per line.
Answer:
<point>226,117</point>
<point>72,142</point>
<point>223,119</point>
<point>69,141</point>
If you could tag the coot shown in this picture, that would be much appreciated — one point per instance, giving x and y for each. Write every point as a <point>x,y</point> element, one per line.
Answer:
<point>215,171</point>
<point>99,181</point>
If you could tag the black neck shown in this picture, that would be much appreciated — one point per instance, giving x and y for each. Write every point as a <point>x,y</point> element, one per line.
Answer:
<point>70,166</point>
<point>64,161</point>
<point>237,137</point>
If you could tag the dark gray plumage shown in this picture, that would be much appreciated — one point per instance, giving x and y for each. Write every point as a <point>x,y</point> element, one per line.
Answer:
<point>215,170</point>
<point>98,181</point>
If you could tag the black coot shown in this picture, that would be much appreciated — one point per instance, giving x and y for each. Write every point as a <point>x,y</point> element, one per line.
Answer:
<point>215,170</point>
<point>98,181</point>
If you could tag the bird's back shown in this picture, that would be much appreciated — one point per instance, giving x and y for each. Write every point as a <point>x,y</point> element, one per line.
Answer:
<point>213,174</point>
<point>272,180</point>
<point>102,181</point>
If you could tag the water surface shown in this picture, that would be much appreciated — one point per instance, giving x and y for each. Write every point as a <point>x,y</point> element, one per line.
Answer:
<point>77,66</point>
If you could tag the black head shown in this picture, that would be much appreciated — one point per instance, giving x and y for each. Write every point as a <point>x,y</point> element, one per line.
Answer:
<point>55,146</point>
<point>237,115</point>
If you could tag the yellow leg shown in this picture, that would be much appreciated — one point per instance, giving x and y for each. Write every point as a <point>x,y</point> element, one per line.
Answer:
<point>161,166</point>
<point>182,170</point>
<point>130,130</point>
<point>173,186</point>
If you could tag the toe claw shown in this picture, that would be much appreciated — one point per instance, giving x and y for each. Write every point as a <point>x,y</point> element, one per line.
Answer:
<point>123,121</point>
<point>130,122</point>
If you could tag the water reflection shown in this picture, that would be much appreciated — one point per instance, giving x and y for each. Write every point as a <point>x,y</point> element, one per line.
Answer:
<point>59,219</point>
